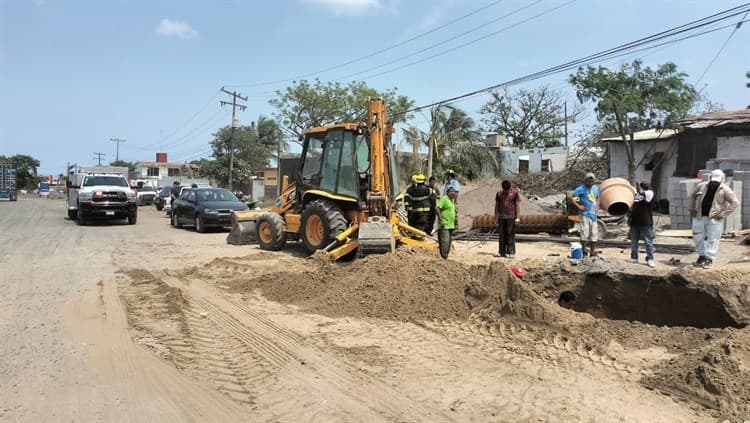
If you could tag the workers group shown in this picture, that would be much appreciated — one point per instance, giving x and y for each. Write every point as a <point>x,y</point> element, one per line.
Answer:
<point>426,203</point>
<point>710,203</point>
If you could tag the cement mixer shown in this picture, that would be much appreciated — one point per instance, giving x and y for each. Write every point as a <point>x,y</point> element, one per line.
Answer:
<point>616,196</point>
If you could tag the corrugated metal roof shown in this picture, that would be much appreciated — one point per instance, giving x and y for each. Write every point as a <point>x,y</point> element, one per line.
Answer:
<point>728,117</point>
<point>648,135</point>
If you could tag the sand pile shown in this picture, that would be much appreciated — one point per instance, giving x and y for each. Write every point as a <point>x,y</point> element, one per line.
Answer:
<point>481,200</point>
<point>716,376</point>
<point>409,285</point>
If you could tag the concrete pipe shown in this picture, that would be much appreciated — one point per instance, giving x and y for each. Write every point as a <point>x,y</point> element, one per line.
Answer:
<point>616,196</point>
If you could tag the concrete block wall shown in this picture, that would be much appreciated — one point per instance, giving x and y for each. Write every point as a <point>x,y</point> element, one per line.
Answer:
<point>744,196</point>
<point>724,164</point>
<point>679,202</point>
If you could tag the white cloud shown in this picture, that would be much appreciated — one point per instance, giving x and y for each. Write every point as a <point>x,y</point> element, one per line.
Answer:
<point>178,29</point>
<point>348,7</point>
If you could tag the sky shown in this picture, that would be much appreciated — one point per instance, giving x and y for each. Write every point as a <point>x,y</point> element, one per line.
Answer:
<point>75,74</point>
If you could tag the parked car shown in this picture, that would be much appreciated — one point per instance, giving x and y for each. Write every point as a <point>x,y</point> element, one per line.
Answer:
<point>145,195</point>
<point>162,198</point>
<point>205,208</point>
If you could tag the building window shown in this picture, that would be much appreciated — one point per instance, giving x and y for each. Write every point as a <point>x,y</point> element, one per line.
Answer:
<point>523,165</point>
<point>153,171</point>
<point>545,165</point>
<point>173,171</point>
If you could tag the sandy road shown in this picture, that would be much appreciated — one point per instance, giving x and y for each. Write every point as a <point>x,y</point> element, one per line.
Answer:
<point>69,352</point>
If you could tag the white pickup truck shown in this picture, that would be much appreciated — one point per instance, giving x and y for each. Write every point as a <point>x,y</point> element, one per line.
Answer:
<point>100,195</point>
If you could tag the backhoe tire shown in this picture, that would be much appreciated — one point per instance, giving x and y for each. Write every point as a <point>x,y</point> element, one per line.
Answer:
<point>321,222</point>
<point>269,229</point>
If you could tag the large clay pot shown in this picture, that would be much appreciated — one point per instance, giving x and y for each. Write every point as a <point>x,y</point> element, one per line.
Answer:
<point>616,196</point>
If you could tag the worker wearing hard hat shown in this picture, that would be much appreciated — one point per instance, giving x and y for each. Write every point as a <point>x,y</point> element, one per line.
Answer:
<point>417,201</point>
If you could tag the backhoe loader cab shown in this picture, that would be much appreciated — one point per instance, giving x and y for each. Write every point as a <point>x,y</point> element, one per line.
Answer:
<point>341,200</point>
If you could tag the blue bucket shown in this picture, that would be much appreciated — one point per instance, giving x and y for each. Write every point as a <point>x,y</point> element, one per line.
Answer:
<point>576,250</point>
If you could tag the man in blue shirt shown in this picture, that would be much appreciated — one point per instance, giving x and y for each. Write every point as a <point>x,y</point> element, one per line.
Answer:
<point>586,198</point>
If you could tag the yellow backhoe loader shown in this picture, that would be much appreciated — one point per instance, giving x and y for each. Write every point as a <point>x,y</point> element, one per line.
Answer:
<point>342,200</point>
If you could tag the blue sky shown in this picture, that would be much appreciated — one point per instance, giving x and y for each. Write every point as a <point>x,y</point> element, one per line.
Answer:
<point>74,74</point>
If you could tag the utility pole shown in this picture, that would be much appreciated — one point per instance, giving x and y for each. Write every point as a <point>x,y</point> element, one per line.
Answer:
<point>98,156</point>
<point>565,108</point>
<point>117,141</point>
<point>235,124</point>
<point>279,149</point>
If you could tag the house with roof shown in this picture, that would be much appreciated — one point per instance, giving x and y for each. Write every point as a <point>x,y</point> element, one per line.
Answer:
<point>160,173</point>
<point>675,160</point>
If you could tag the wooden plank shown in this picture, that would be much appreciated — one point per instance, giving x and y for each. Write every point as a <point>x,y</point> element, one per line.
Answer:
<point>676,233</point>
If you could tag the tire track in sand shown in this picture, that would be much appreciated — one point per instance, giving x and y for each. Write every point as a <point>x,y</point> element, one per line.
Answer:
<point>269,367</point>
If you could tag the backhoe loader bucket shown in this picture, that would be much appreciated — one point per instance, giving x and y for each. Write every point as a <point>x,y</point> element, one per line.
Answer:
<point>243,227</point>
<point>376,236</point>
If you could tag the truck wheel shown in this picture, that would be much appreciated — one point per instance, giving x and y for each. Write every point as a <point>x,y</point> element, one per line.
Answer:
<point>321,222</point>
<point>269,229</point>
<point>72,214</point>
<point>199,226</point>
<point>176,221</point>
<point>81,217</point>
<point>132,219</point>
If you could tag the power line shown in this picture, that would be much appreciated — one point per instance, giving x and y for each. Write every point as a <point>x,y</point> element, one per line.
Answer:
<point>446,41</point>
<point>623,49</point>
<point>375,53</point>
<point>215,118</point>
<point>721,49</point>
<point>187,122</point>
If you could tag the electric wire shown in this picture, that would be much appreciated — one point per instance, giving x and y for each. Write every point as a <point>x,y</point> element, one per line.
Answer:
<point>623,49</point>
<point>721,49</point>
<point>187,122</point>
<point>375,53</point>
<point>444,52</point>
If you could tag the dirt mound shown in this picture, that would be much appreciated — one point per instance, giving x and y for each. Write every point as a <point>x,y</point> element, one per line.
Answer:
<point>715,376</point>
<point>481,200</point>
<point>408,285</point>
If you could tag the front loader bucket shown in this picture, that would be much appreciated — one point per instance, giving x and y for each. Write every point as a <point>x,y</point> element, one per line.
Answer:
<point>376,236</point>
<point>243,227</point>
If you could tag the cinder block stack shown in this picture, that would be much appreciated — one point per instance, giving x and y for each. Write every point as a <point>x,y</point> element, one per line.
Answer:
<point>679,203</point>
<point>734,221</point>
<point>744,196</point>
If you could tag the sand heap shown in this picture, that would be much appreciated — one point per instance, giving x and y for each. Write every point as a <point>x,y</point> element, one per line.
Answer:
<point>409,285</point>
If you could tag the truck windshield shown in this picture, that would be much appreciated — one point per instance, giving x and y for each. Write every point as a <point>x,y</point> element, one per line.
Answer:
<point>92,181</point>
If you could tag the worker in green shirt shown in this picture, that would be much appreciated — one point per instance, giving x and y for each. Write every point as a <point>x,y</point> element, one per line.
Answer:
<point>446,214</point>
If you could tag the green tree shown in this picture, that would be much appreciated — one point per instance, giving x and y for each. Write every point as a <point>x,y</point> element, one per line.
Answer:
<point>529,118</point>
<point>123,163</point>
<point>453,142</point>
<point>307,104</point>
<point>633,98</point>
<point>27,170</point>
<point>253,146</point>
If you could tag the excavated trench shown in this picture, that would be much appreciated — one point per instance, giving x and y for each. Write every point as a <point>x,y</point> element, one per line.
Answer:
<point>662,301</point>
